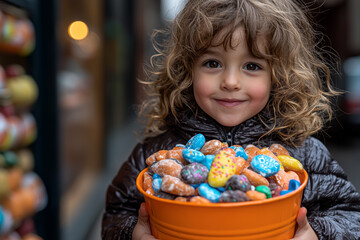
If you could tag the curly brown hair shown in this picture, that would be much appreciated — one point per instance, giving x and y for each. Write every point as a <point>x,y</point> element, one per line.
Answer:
<point>301,91</point>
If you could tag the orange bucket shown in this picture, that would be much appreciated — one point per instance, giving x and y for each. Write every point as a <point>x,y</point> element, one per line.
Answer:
<point>273,218</point>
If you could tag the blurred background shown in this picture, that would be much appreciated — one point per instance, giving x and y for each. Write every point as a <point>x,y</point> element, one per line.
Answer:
<point>68,96</point>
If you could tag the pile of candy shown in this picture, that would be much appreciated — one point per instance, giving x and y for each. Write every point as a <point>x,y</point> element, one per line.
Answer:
<point>211,171</point>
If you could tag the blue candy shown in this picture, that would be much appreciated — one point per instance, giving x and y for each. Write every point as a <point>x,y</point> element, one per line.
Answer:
<point>240,152</point>
<point>264,165</point>
<point>196,142</point>
<point>195,186</point>
<point>156,184</point>
<point>1,217</point>
<point>208,192</point>
<point>191,155</point>
<point>155,176</point>
<point>208,160</point>
<point>293,185</point>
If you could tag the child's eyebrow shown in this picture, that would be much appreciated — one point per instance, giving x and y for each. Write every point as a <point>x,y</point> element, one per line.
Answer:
<point>217,51</point>
<point>211,51</point>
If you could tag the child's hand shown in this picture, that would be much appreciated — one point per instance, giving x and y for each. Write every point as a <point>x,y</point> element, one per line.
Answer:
<point>303,230</point>
<point>142,228</point>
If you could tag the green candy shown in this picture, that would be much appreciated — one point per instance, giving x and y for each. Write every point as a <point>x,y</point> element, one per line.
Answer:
<point>264,189</point>
<point>10,158</point>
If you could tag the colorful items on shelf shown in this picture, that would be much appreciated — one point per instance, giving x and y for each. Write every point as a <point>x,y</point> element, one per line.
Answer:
<point>16,34</point>
<point>18,92</point>
<point>22,194</point>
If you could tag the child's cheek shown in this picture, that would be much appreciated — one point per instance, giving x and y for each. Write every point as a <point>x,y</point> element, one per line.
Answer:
<point>260,93</point>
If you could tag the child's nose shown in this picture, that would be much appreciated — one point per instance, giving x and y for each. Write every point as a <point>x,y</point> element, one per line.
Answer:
<point>231,80</point>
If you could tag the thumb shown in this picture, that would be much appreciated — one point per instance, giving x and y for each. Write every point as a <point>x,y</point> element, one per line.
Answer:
<point>301,218</point>
<point>143,214</point>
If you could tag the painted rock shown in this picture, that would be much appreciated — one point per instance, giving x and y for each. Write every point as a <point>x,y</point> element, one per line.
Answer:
<point>199,199</point>
<point>208,161</point>
<point>196,142</point>
<point>264,189</point>
<point>265,165</point>
<point>267,152</point>
<point>194,173</point>
<point>222,168</point>
<point>176,154</point>
<point>240,163</point>
<point>290,163</point>
<point>147,183</point>
<point>240,152</point>
<point>293,185</point>
<point>165,195</point>
<point>174,185</point>
<point>255,178</point>
<point>255,195</point>
<point>278,149</point>
<point>191,155</point>
<point>156,184</point>
<point>250,151</point>
<point>166,167</point>
<point>208,192</point>
<point>211,147</point>
<point>233,196</point>
<point>238,182</point>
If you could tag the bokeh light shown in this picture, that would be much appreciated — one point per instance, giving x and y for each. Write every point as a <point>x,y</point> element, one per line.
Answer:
<point>78,30</point>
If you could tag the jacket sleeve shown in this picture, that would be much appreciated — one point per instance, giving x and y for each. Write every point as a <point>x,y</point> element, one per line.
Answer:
<point>332,201</point>
<point>123,199</point>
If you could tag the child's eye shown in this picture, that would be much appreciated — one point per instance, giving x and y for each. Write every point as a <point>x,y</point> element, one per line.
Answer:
<point>252,67</point>
<point>212,64</point>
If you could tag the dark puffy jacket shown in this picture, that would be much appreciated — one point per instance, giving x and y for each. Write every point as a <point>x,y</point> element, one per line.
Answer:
<point>332,202</point>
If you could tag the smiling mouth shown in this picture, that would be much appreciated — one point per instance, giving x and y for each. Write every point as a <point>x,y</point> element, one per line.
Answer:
<point>229,102</point>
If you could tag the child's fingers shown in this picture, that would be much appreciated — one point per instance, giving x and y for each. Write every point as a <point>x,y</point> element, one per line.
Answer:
<point>303,228</point>
<point>142,228</point>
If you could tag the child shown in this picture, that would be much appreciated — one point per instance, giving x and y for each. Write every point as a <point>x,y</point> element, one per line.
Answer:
<point>244,72</point>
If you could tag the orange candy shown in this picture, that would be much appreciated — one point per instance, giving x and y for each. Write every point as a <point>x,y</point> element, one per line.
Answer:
<point>282,178</point>
<point>199,199</point>
<point>255,195</point>
<point>151,159</point>
<point>160,155</point>
<point>175,186</point>
<point>250,151</point>
<point>150,191</point>
<point>147,181</point>
<point>181,199</point>
<point>167,167</point>
<point>279,149</point>
<point>255,178</point>
<point>211,147</point>
<point>176,154</point>
<point>240,163</point>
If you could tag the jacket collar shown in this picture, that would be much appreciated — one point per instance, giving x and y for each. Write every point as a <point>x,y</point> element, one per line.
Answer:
<point>247,132</point>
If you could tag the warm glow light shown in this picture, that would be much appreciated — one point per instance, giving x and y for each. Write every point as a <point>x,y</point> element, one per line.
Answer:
<point>78,30</point>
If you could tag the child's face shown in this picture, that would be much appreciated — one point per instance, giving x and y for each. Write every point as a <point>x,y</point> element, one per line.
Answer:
<point>231,86</point>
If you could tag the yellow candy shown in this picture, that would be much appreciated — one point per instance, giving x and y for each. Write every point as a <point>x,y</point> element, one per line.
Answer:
<point>222,168</point>
<point>290,163</point>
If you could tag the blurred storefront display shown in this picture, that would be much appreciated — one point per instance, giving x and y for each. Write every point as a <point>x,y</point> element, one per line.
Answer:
<point>22,191</point>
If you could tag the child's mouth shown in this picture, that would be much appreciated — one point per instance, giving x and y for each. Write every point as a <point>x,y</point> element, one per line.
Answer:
<point>229,102</point>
